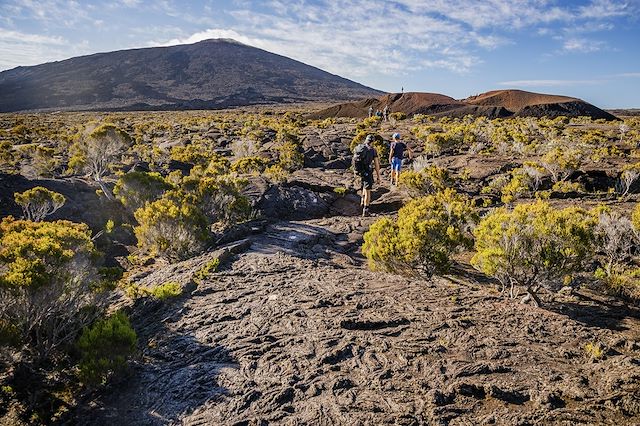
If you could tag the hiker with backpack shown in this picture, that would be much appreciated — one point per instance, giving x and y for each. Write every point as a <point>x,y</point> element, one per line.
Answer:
<point>363,157</point>
<point>396,154</point>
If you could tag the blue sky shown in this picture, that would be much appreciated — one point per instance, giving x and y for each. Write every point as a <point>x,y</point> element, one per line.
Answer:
<point>588,49</point>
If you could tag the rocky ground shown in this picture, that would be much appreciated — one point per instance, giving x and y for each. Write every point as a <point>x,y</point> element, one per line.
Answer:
<point>295,330</point>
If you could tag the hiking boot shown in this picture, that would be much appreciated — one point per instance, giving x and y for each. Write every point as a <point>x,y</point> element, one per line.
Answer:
<point>365,211</point>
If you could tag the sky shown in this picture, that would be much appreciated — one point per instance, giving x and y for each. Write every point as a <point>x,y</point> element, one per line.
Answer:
<point>587,49</point>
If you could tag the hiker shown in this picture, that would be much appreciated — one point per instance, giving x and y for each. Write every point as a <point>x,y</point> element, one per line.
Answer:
<point>378,113</point>
<point>363,156</point>
<point>385,113</point>
<point>396,154</point>
<point>370,111</point>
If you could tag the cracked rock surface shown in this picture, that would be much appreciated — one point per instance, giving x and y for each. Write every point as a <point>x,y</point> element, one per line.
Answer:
<point>295,330</point>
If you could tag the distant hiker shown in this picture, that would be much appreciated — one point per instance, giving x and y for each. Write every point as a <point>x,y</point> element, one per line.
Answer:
<point>363,156</point>
<point>378,113</point>
<point>396,154</point>
<point>370,111</point>
<point>402,90</point>
<point>385,113</point>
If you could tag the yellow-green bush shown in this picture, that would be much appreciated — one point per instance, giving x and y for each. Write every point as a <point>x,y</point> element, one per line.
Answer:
<point>427,232</point>
<point>426,181</point>
<point>534,244</point>
<point>105,347</point>
<point>135,189</point>
<point>38,203</point>
<point>249,165</point>
<point>518,186</point>
<point>565,187</point>
<point>8,159</point>
<point>220,198</point>
<point>47,273</point>
<point>166,290</point>
<point>290,157</point>
<point>398,115</point>
<point>276,173</point>
<point>172,227</point>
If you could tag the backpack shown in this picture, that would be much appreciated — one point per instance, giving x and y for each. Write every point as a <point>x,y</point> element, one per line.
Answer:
<point>360,157</point>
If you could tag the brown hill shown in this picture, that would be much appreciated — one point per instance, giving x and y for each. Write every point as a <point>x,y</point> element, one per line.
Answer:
<point>409,103</point>
<point>515,100</point>
<point>494,104</point>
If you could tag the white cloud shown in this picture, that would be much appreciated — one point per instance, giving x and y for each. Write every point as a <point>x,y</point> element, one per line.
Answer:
<point>17,48</point>
<point>582,45</point>
<point>602,9</point>
<point>629,75</point>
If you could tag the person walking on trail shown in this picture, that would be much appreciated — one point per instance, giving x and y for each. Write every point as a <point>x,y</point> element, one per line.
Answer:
<point>396,154</point>
<point>363,157</point>
<point>385,113</point>
<point>370,111</point>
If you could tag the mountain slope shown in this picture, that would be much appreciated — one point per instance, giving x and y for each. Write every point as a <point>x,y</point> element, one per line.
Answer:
<point>494,104</point>
<point>209,74</point>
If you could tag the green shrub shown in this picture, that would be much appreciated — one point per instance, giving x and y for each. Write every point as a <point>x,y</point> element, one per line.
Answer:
<point>290,157</point>
<point>565,187</point>
<point>8,160</point>
<point>276,173</point>
<point>427,232</point>
<point>249,165</point>
<point>135,189</point>
<point>167,290</point>
<point>105,347</point>
<point>39,202</point>
<point>533,244</point>
<point>398,116</point>
<point>47,273</point>
<point>172,227</point>
<point>208,268</point>
<point>220,199</point>
<point>426,181</point>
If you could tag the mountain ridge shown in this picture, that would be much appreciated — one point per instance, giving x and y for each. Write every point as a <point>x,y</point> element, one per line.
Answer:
<point>493,104</point>
<point>210,74</point>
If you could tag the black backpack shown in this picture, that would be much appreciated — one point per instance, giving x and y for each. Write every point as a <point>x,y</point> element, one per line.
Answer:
<point>360,157</point>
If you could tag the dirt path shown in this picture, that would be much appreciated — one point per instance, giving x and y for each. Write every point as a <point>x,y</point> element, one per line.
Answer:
<point>296,331</point>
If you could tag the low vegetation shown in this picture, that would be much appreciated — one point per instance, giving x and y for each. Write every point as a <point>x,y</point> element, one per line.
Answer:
<point>533,204</point>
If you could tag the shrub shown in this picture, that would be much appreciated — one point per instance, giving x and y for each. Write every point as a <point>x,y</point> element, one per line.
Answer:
<point>47,270</point>
<point>38,203</point>
<point>518,186</point>
<point>167,290</point>
<point>44,161</point>
<point>565,187</point>
<point>438,143</point>
<point>172,227</point>
<point>8,159</point>
<point>289,156</point>
<point>427,232</point>
<point>398,115</point>
<point>561,162</point>
<point>249,165</point>
<point>105,347</point>
<point>220,199</point>
<point>425,181</point>
<point>208,268</point>
<point>97,150</point>
<point>628,176</point>
<point>135,189</point>
<point>533,245</point>
<point>276,173</point>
